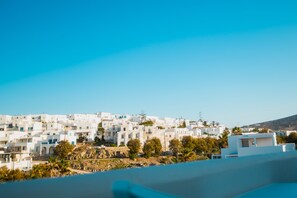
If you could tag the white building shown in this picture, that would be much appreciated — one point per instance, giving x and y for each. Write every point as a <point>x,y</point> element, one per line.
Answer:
<point>12,161</point>
<point>254,144</point>
<point>105,116</point>
<point>84,117</point>
<point>128,132</point>
<point>29,126</point>
<point>213,130</point>
<point>52,139</point>
<point>9,136</point>
<point>5,119</point>
<point>24,144</point>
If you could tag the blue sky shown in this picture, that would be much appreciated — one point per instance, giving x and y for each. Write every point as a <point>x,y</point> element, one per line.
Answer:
<point>234,61</point>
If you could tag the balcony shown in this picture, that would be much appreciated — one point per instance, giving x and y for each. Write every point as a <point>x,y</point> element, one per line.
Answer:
<point>211,179</point>
<point>260,150</point>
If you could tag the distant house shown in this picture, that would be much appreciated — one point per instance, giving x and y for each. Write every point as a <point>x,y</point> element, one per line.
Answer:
<point>254,144</point>
<point>16,160</point>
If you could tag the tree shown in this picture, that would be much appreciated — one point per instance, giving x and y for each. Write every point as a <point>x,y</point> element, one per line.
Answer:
<point>134,148</point>
<point>63,149</point>
<point>201,146</point>
<point>183,125</point>
<point>152,147</point>
<point>212,146</point>
<point>16,175</point>
<point>223,141</point>
<point>205,124</point>
<point>188,142</point>
<point>148,148</point>
<point>97,140</point>
<point>4,172</point>
<point>256,130</point>
<point>237,131</point>
<point>147,123</point>
<point>101,131</point>
<point>82,138</point>
<point>40,171</point>
<point>188,156</point>
<point>292,138</point>
<point>52,166</point>
<point>175,146</point>
<point>281,139</point>
<point>63,166</point>
<point>264,130</point>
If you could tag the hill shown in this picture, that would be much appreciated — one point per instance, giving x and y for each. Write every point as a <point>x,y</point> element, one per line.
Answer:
<point>288,123</point>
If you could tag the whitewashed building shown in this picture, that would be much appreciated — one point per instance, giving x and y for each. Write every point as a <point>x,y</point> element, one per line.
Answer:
<point>254,144</point>
<point>51,139</point>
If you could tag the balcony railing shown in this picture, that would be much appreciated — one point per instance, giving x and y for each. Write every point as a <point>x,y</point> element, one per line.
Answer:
<point>211,179</point>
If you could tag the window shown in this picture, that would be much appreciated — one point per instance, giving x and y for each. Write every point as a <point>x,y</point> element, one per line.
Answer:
<point>245,143</point>
<point>123,136</point>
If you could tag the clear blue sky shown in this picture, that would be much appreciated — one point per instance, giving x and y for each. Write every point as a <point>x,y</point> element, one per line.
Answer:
<point>234,61</point>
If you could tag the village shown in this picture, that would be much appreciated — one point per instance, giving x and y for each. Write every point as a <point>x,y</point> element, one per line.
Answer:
<point>30,138</point>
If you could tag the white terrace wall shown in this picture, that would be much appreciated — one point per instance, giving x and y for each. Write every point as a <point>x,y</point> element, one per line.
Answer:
<point>211,179</point>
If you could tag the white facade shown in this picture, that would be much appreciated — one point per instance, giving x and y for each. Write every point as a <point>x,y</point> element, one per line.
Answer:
<point>22,161</point>
<point>254,144</point>
<point>52,139</point>
<point>5,119</point>
<point>213,131</point>
<point>29,126</point>
<point>39,134</point>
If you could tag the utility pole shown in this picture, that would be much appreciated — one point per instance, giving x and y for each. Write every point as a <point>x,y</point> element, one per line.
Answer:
<point>200,116</point>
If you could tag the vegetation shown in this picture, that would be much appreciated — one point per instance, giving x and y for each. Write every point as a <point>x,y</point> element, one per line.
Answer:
<point>152,147</point>
<point>82,139</point>
<point>264,130</point>
<point>256,130</point>
<point>54,168</point>
<point>101,132</point>
<point>292,138</point>
<point>190,149</point>
<point>134,148</point>
<point>236,131</point>
<point>147,123</point>
<point>183,125</point>
<point>63,149</point>
<point>223,141</point>
<point>175,146</point>
<point>205,124</point>
<point>281,139</point>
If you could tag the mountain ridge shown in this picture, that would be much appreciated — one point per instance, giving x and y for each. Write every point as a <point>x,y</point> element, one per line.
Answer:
<point>287,123</point>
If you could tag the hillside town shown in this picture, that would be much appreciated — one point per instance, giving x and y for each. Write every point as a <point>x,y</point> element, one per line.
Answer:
<point>24,138</point>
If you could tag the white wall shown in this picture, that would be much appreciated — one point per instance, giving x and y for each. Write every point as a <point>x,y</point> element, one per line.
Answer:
<point>206,179</point>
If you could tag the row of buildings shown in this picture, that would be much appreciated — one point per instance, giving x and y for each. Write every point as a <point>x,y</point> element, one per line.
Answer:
<point>25,136</point>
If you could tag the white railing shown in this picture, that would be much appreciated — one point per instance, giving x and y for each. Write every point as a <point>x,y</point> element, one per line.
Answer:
<point>211,179</point>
